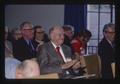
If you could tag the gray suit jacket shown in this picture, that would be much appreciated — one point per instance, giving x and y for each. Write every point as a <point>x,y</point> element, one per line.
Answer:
<point>49,60</point>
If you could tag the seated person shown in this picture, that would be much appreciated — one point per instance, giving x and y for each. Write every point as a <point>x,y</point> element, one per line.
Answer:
<point>54,56</point>
<point>24,48</point>
<point>80,41</point>
<point>8,44</point>
<point>69,33</point>
<point>14,69</point>
<point>40,37</point>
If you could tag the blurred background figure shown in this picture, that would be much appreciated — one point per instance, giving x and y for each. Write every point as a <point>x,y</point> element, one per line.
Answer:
<point>14,69</point>
<point>8,45</point>
<point>40,36</point>
<point>15,36</point>
<point>16,33</point>
<point>106,50</point>
<point>79,42</point>
<point>69,33</point>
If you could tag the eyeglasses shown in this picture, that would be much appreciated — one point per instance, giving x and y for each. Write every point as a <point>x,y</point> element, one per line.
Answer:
<point>17,33</point>
<point>110,32</point>
<point>28,29</point>
<point>40,32</point>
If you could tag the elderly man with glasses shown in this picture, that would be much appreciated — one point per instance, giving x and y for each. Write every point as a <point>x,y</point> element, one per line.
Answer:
<point>106,50</point>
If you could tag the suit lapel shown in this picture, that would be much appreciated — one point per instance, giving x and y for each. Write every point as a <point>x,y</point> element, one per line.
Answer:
<point>51,50</point>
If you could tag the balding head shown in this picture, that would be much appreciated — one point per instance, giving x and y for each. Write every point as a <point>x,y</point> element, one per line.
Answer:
<point>57,35</point>
<point>29,69</point>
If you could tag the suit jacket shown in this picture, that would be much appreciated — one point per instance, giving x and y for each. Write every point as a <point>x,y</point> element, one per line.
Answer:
<point>22,50</point>
<point>49,60</point>
<point>106,53</point>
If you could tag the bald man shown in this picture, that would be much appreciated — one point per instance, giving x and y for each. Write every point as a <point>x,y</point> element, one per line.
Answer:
<point>14,69</point>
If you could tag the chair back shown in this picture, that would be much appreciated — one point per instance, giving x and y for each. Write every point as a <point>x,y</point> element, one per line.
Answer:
<point>93,65</point>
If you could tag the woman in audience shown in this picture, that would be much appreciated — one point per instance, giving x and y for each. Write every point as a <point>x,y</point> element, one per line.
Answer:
<point>80,41</point>
<point>40,36</point>
<point>8,45</point>
<point>15,36</point>
<point>16,33</point>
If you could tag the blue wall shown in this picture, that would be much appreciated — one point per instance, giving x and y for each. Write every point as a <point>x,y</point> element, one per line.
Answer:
<point>76,15</point>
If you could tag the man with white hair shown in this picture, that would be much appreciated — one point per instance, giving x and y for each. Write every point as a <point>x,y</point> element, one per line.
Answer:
<point>14,69</point>
<point>54,56</point>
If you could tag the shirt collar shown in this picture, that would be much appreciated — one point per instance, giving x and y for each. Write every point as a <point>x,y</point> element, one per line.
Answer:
<point>55,45</point>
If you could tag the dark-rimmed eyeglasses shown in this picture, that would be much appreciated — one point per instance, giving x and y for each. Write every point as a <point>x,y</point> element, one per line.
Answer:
<point>110,32</point>
<point>40,32</point>
<point>28,29</point>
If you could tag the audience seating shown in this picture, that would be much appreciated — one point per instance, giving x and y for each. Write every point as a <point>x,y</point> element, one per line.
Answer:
<point>113,69</point>
<point>93,65</point>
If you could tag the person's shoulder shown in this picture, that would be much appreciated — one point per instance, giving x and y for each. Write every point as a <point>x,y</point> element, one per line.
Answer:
<point>102,42</point>
<point>10,67</point>
<point>10,60</point>
<point>45,45</point>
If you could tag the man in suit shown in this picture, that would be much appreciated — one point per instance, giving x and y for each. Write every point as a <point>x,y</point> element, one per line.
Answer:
<point>24,48</point>
<point>106,50</point>
<point>54,56</point>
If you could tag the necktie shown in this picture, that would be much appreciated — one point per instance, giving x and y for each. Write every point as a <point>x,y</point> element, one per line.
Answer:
<point>58,51</point>
<point>113,45</point>
<point>31,46</point>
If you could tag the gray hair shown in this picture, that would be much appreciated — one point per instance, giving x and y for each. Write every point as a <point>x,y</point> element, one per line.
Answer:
<point>24,23</point>
<point>109,25</point>
<point>16,30</point>
<point>53,28</point>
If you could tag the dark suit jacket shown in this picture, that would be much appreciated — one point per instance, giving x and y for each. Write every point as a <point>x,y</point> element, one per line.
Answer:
<point>106,53</point>
<point>49,60</point>
<point>22,50</point>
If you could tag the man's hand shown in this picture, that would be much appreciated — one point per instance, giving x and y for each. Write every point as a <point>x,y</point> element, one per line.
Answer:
<point>68,64</point>
<point>76,65</point>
